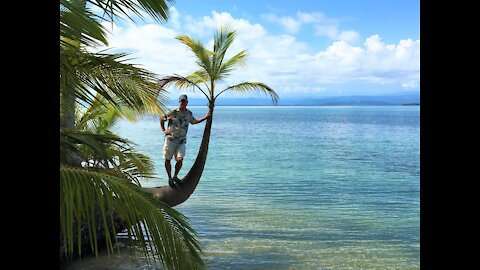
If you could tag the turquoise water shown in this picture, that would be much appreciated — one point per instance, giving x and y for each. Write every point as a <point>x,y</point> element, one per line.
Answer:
<point>299,187</point>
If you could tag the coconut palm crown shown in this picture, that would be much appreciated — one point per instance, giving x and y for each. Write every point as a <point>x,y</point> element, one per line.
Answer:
<point>214,68</point>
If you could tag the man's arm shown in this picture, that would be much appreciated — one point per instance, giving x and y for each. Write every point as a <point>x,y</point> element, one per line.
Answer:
<point>166,131</point>
<point>199,120</point>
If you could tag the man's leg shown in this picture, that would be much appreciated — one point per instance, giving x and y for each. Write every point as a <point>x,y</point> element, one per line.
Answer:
<point>178,166</point>
<point>168,148</point>
<point>179,157</point>
<point>168,167</point>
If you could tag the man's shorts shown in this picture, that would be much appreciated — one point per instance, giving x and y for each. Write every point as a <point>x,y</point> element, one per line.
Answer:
<point>171,148</point>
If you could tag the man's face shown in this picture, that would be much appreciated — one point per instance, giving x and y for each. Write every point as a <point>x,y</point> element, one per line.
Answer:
<point>183,103</point>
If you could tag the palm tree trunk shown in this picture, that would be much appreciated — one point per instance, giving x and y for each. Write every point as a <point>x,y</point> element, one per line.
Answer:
<point>179,194</point>
<point>67,107</point>
<point>68,101</point>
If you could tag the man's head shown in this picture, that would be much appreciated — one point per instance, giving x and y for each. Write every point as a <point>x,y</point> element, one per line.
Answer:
<point>183,101</point>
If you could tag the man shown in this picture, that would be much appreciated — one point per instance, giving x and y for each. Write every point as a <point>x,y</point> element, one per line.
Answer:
<point>176,136</point>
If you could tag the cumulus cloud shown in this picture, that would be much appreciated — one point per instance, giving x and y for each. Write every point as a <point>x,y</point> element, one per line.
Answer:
<point>281,61</point>
<point>152,46</point>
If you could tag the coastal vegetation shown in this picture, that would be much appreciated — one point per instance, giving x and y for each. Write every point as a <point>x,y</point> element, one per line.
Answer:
<point>100,192</point>
<point>100,172</point>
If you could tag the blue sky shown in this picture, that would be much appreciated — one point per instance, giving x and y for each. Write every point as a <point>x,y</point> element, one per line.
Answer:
<point>299,48</point>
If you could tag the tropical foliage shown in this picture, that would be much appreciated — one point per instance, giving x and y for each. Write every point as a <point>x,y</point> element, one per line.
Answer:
<point>213,68</point>
<point>100,171</point>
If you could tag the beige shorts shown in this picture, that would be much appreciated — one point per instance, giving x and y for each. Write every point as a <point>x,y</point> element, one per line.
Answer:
<point>173,148</point>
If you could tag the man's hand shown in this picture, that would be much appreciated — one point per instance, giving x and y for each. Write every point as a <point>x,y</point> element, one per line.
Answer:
<point>167,131</point>
<point>200,120</point>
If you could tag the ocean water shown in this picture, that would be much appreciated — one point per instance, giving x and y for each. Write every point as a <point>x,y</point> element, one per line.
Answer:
<point>330,187</point>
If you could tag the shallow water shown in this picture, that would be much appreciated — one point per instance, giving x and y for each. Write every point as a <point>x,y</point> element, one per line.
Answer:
<point>298,187</point>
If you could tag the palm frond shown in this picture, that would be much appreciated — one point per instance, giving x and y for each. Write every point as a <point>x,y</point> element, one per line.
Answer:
<point>84,193</point>
<point>107,151</point>
<point>203,55</point>
<point>223,38</point>
<point>252,87</point>
<point>118,82</point>
<point>215,68</point>
<point>200,77</point>
<point>98,117</point>
<point>79,26</point>
<point>94,145</point>
<point>101,116</point>
<point>116,8</point>
<point>135,165</point>
<point>237,60</point>
<point>182,82</point>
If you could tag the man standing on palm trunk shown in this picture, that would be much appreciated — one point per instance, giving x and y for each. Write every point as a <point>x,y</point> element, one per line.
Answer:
<point>176,136</point>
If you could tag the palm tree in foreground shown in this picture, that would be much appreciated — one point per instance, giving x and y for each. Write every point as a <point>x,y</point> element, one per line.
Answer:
<point>100,194</point>
<point>213,69</point>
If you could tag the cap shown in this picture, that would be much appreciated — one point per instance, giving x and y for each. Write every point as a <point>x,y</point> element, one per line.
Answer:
<point>183,97</point>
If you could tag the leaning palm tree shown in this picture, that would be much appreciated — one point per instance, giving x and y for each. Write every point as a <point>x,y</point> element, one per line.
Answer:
<point>100,194</point>
<point>213,69</point>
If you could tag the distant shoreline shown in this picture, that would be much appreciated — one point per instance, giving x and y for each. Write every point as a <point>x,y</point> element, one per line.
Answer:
<point>305,105</point>
<point>407,99</point>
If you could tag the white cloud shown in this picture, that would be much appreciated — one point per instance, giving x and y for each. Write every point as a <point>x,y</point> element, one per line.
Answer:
<point>332,32</point>
<point>374,44</point>
<point>291,25</point>
<point>281,61</point>
<point>314,17</point>
<point>348,36</point>
<point>174,18</point>
<point>153,46</point>
<point>323,25</point>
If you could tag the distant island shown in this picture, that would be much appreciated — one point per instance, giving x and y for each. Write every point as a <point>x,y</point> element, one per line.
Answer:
<point>397,99</point>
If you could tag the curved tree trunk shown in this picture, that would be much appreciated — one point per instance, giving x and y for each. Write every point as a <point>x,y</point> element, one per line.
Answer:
<point>171,196</point>
<point>179,194</point>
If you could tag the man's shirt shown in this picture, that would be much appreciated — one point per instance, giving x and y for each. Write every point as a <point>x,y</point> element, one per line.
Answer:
<point>178,124</point>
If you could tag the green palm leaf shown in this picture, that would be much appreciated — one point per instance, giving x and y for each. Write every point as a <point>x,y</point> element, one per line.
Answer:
<point>252,87</point>
<point>119,83</point>
<point>238,59</point>
<point>101,116</point>
<point>203,55</point>
<point>107,151</point>
<point>116,8</point>
<point>96,143</point>
<point>76,22</point>
<point>215,68</point>
<point>85,193</point>
<point>190,82</point>
<point>223,38</point>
